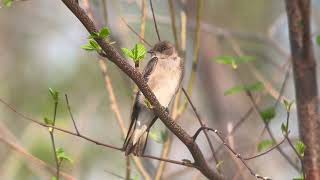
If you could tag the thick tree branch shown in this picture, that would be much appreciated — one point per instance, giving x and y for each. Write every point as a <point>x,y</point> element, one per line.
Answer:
<point>305,80</point>
<point>136,76</point>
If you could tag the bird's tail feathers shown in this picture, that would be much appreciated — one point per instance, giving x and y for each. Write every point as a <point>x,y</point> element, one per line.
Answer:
<point>136,141</point>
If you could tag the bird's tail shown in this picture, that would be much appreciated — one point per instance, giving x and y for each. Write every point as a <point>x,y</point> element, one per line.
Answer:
<point>136,141</point>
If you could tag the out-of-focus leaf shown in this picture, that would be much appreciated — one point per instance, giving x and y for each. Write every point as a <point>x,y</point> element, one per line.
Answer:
<point>48,121</point>
<point>318,40</point>
<point>284,128</point>
<point>104,33</point>
<point>288,105</point>
<point>265,144</point>
<point>127,52</point>
<point>7,3</point>
<point>234,61</point>
<point>258,86</point>
<point>300,147</point>
<point>54,94</point>
<point>62,156</point>
<point>268,114</point>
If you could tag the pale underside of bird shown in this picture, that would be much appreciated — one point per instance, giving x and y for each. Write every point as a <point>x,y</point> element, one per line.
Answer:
<point>163,74</point>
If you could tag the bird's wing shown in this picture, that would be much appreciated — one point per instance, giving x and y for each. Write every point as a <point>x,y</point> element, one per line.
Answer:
<point>149,68</point>
<point>136,107</point>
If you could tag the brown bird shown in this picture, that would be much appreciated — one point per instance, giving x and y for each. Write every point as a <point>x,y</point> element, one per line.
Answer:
<point>163,73</point>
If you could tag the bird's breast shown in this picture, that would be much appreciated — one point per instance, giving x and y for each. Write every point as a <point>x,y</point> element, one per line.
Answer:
<point>165,80</point>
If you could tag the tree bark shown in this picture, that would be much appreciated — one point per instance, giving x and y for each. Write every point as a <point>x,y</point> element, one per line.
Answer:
<point>305,79</point>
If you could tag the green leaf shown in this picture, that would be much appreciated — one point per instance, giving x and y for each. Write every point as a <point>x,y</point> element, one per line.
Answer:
<point>137,54</point>
<point>54,178</point>
<point>288,104</point>
<point>268,114</point>
<point>54,94</point>
<point>318,40</point>
<point>94,35</point>
<point>92,45</point>
<point>48,121</point>
<point>234,90</point>
<point>136,177</point>
<point>245,59</point>
<point>234,61</point>
<point>284,128</point>
<point>299,178</point>
<point>159,137</point>
<point>265,144</point>
<point>258,86</point>
<point>104,33</point>
<point>300,147</point>
<point>62,156</point>
<point>87,47</point>
<point>228,60</point>
<point>127,52</point>
<point>7,3</point>
<point>164,135</point>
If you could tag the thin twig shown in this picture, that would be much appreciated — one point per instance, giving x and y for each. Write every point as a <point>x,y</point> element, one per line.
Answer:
<point>137,34</point>
<point>239,52</point>
<point>184,163</point>
<point>143,18</point>
<point>201,124</point>
<point>196,52</point>
<point>70,113</point>
<point>154,21</point>
<point>32,159</point>
<point>51,131</point>
<point>266,152</point>
<point>173,24</point>
<point>219,134</point>
<point>128,168</point>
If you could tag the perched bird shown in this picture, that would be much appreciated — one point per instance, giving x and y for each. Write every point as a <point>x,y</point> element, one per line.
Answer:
<point>163,73</point>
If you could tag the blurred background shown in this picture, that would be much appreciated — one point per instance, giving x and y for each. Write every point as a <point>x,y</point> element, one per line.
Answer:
<point>40,48</point>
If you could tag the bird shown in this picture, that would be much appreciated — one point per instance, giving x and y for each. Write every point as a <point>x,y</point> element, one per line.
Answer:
<point>163,74</point>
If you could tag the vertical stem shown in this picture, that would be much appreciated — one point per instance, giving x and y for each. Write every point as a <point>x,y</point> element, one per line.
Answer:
<point>173,24</point>
<point>143,18</point>
<point>51,130</point>
<point>305,80</point>
<point>128,168</point>
<point>195,53</point>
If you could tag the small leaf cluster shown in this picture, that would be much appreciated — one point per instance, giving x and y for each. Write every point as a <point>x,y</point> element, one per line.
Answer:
<point>159,137</point>
<point>318,40</point>
<point>265,144</point>
<point>137,53</point>
<point>258,86</point>
<point>54,94</point>
<point>300,148</point>
<point>61,156</point>
<point>268,114</point>
<point>288,105</point>
<point>234,61</point>
<point>7,3</point>
<point>92,44</point>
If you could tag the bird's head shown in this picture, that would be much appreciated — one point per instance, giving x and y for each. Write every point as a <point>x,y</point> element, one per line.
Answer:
<point>163,48</point>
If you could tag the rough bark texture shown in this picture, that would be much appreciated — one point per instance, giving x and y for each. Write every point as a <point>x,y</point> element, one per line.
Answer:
<point>136,76</point>
<point>304,69</point>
